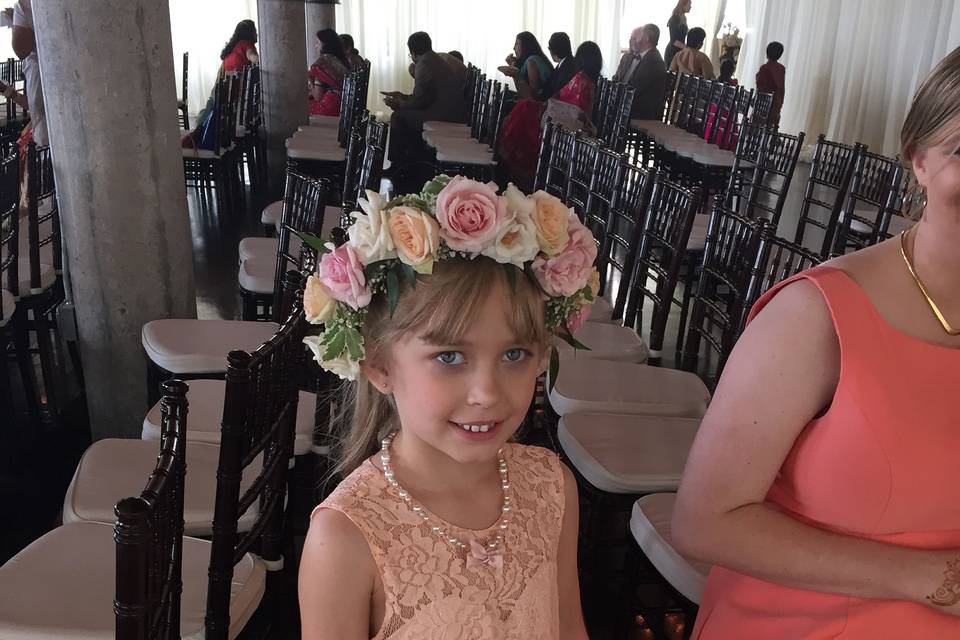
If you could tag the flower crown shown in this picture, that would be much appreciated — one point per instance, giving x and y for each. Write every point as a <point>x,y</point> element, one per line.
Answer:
<point>391,242</point>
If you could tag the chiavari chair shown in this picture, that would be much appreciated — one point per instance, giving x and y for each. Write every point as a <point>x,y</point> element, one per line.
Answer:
<point>476,155</point>
<point>829,180</point>
<point>617,117</point>
<point>608,176</point>
<point>543,156</point>
<point>762,106</point>
<point>580,170</point>
<point>558,162</point>
<point>874,190</point>
<point>760,189</point>
<point>182,104</point>
<point>12,329</point>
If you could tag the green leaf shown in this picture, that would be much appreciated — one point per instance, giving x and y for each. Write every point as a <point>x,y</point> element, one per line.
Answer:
<point>511,276</point>
<point>410,275</point>
<point>314,242</point>
<point>353,341</point>
<point>334,341</point>
<point>554,368</point>
<point>393,290</point>
<point>567,337</point>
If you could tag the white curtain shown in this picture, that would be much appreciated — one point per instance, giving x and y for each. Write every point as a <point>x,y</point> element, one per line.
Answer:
<point>484,31</point>
<point>852,66</point>
<point>201,28</point>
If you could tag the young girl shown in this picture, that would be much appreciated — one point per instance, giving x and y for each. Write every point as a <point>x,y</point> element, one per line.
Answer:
<point>444,527</point>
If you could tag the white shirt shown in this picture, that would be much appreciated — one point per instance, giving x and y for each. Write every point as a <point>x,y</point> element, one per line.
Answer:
<point>23,17</point>
<point>633,66</point>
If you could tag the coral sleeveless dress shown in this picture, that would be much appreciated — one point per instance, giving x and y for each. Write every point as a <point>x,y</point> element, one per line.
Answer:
<point>878,464</point>
<point>430,590</point>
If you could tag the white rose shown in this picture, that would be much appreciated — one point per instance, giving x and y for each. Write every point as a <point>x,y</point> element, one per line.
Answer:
<point>343,367</point>
<point>516,241</point>
<point>518,202</point>
<point>370,233</point>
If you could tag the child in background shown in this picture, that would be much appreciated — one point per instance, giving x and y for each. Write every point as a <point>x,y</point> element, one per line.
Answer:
<point>444,526</point>
<point>727,67</point>
<point>770,79</point>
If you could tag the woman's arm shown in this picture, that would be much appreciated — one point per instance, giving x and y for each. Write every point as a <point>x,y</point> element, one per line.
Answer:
<point>782,373</point>
<point>533,79</point>
<point>252,54</point>
<point>571,614</point>
<point>336,580</point>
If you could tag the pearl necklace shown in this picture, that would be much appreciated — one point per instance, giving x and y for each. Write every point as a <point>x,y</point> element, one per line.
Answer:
<point>456,542</point>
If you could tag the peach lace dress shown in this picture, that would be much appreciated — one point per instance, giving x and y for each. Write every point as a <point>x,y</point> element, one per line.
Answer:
<point>430,591</point>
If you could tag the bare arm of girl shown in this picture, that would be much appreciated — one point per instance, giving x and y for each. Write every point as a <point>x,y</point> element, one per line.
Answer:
<point>533,78</point>
<point>252,55</point>
<point>782,373</point>
<point>336,580</point>
<point>571,615</point>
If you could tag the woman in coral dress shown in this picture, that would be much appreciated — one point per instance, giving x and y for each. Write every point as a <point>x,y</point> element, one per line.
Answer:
<point>821,483</point>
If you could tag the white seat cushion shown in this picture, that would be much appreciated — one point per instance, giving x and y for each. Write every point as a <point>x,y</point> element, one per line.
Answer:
<point>605,386</point>
<point>698,233</point>
<point>7,306</point>
<point>316,133</point>
<point>434,138</point>
<point>257,247</point>
<point>201,346</point>
<point>628,453</point>
<point>48,275</point>
<point>650,526</point>
<point>205,417</point>
<point>62,586</point>
<point>606,341</point>
<point>325,121</point>
<point>646,125</point>
<point>114,468</point>
<point>440,125</point>
<point>272,213</point>
<point>601,311</point>
<point>466,157</point>
<point>257,274</point>
<point>322,151</point>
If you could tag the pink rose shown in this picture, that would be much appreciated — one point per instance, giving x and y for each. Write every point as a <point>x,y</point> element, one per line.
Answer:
<point>578,317</point>
<point>568,272</point>
<point>341,272</point>
<point>469,213</point>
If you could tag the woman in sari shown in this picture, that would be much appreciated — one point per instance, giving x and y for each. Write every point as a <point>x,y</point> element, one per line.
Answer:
<point>326,74</point>
<point>520,137</point>
<point>239,52</point>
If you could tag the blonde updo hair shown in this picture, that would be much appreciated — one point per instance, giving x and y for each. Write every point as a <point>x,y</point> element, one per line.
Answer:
<point>934,114</point>
<point>442,308</point>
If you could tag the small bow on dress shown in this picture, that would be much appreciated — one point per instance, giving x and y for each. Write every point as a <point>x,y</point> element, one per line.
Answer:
<point>480,556</point>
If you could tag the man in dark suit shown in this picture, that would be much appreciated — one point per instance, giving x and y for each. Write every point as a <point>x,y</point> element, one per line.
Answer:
<point>437,95</point>
<point>562,54</point>
<point>643,67</point>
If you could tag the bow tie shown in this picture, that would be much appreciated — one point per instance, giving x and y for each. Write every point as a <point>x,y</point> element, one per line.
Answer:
<point>479,556</point>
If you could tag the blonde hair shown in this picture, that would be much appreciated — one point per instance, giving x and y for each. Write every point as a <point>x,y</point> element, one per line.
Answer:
<point>679,10</point>
<point>934,114</point>
<point>442,307</point>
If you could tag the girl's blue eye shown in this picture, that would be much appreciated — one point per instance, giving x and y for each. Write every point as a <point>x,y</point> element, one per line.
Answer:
<point>450,357</point>
<point>515,355</point>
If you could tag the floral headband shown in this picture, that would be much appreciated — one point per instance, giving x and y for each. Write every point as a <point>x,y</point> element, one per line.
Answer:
<point>391,242</point>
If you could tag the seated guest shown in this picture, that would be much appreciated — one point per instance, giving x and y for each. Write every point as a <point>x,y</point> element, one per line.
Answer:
<point>727,67</point>
<point>562,54</point>
<point>690,59</point>
<point>771,79</point>
<point>817,483</point>
<point>437,95</point>
<point>326,74</point>
<point>642,67</point>
<point>521,130</point>
<point>528,67</point>
<point>349,51</point>
<point>239,52</point>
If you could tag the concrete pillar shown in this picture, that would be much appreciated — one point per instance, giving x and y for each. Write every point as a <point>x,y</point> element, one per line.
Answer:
<point>110,97</point>
<point>319,14</point>
<point>284,78</point>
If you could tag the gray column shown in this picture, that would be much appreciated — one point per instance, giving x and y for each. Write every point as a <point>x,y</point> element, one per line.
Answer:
<point>319,14</point>
<point>283,76</point>
<point>110,97</point>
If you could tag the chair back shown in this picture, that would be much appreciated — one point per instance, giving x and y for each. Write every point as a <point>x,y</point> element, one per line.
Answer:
<point>621,240</point>
<point>830,175</point>
<point>766,180</point>
<point>679,98</point>
<point>606,176</point>
<point>149,535</point>
<point>729,252</point>
<point>708,93</point>
<point>259,420</point>
<point>9,224</point>
<point>543,157</point>
<point>874,195</point>
<point>580,168</point>
<point>762,105</point>
<point>304,200</point>
<point>364,168</point>
<point>504,104</point>
<point>662,249</point>
<point>616,129</point>
<point>605,93</point>
<point>670,93</point>
<point>43,216</point>
<point>689,104</point>
<point>184,116</point>
<point>724,117</point>
<point>558,164</point>
<point>777,259</point>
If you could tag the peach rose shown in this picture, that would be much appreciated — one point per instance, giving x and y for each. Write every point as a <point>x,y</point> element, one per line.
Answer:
<point>551,218</point>
<point>469,213</point>
<point>416,236</point>
<point>594,282</point>
<point>318,305</point>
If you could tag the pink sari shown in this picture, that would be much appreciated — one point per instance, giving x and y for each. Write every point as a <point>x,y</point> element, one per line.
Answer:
<point>329,72</point>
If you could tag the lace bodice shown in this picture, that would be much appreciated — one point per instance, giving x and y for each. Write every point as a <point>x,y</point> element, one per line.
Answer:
<point>429,590</point>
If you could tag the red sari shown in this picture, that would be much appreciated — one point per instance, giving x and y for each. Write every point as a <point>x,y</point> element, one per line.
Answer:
<point>520,136</point>
<point>328,72</point>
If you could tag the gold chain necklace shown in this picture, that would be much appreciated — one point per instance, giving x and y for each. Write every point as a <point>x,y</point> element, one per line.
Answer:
<point>933,305</point>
